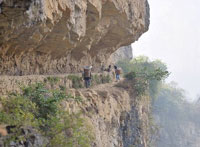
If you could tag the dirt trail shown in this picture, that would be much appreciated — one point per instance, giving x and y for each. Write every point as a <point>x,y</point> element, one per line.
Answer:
<point>13,83</point>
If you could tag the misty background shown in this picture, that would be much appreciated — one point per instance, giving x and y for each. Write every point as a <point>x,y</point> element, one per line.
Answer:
<point>174,38</point>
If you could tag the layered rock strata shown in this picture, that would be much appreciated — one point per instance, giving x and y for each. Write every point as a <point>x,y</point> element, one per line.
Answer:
<point>59,36</point>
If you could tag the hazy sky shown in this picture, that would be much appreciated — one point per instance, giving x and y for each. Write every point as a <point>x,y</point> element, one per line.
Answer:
<point>174,37</point>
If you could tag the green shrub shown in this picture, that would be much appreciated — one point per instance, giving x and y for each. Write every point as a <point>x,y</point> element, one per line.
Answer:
<point>52,80</point>
<point>106,79</point>
<point>100,79</point>
<point>76,81</point>
<point>17,111</point>
<point>96,79</point>
<point>72,126</point>
<point>139,84</point>
<point>39,108</point>
<point>145,74</point>
<point>131,75</point>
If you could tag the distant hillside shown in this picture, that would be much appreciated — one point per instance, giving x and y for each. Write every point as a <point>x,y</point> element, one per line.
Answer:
<point>178,119</point>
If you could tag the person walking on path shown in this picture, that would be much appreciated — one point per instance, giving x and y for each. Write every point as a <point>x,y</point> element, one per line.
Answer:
<point>109,68</point>
<point>117,72</point>
<point>87,76</point>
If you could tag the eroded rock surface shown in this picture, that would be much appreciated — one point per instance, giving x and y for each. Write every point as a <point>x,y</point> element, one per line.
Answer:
<point>123,53</point>
<point>59,36</point>
<point>117,117</point>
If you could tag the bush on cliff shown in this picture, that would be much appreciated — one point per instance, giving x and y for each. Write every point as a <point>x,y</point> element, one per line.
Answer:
<point>40,108</point>
<point>145,74</point>
<point>77,81</point>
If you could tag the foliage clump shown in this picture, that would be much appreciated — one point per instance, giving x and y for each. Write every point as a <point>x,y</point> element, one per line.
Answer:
<point>76,81</point>
<point>145,74</point>
<point>101,79</point>
<point>52,80</point>
<point>106,79</point>
<point>40,108</point>
<point>96,80</point>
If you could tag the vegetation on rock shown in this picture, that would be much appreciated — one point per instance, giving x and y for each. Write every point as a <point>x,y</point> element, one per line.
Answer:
<point>145,74</point>
<point>52,80</point>
<point>40,108</point>
<point>76,81</point>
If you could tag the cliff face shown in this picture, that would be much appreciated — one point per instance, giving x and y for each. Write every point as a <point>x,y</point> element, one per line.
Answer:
<point>59,36</point>
<point>117,117</point>
<point>123,53</point>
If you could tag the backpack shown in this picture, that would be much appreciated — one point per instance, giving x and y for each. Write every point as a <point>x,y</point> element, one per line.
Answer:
<point>118,71</point>
<point>87,73</point>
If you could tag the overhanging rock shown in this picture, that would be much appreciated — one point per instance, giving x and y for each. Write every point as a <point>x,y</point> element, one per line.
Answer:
<point>59,36</point>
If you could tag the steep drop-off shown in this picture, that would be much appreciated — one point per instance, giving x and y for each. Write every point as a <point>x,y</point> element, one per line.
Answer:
<point>59,36</point>
<point>178,119</point>
<point>117,117</point>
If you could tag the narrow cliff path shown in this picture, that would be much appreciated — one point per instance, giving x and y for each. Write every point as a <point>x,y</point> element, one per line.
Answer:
<point>13,83</point>
<point>105,86</point>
